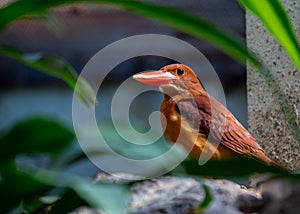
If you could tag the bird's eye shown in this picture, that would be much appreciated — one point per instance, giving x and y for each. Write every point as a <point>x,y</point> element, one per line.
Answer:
<point>179,71</point>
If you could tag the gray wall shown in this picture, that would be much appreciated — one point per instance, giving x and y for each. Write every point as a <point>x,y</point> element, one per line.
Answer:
<point>266,120</point>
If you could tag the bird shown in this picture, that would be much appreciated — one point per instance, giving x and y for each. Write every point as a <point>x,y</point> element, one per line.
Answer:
<point>196,120</point>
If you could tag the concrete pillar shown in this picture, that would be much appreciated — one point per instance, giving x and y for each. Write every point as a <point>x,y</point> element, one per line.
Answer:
<point>266,121</point>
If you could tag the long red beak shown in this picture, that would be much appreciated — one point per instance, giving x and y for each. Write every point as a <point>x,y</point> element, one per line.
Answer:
<point>155,77</point>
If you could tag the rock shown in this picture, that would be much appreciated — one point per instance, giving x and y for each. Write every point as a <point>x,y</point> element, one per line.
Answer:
<point>229,197</point>
<point>87,210</point>
<point>180,195</point>
<point>166,195</point>
<point>119,178</point>
<point>281,195</point>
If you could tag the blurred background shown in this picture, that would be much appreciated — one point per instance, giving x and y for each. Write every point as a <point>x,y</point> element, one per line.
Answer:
<point>77,32</point>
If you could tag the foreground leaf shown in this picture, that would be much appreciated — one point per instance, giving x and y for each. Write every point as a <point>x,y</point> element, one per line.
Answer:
<point>276,20</point>
<point>68,202</point>
<point>23,184</point>
<point>26,186</point>
<point>17,187</point>
<point>207,200</point>
<point>109,197</point>
<point>54,66</point>
<point>231,44</point>
<point>20,8</point>
<point>230,168</point>
<point>35,135</point>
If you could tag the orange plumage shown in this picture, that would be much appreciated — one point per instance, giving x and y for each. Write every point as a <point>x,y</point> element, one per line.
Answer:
<point>189,109</point>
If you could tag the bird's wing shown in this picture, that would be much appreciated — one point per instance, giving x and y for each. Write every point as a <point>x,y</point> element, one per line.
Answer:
<point>214,120</point>
<point>237,138</point>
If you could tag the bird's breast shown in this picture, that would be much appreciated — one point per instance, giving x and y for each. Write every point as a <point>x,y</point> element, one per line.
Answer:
<point>177,129</point>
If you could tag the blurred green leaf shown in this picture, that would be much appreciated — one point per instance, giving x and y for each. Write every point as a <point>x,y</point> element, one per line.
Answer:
<point>17,187</point>
<point>126,149</point>
<point>56,67</point>
<point>18,9</point>
<point>22,184</point>
<point>231,44</point>
<point>33,206</point>
<point>53,24</point>
<point>112,201</point>
<point>224,40</point>
<point>35,135</point>
<point>68,202</point>
<point>26,186</point>
<point>276,20</point>
<point>207,200</point>
<point>109,197</point>
<point>230,168</point>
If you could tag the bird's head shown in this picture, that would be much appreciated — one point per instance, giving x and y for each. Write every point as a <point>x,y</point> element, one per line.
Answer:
<point>173,79</point>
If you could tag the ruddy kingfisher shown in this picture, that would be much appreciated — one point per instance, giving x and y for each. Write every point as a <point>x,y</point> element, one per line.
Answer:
<point>196,120</point>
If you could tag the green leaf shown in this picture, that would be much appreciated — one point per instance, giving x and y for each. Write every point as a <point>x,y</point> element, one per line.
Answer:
<point>109,197</point>
<point>207,200</point>
<point>17,187</point>
<point>54,66</point>
<point>230,43</point>
<point>21,8</point>
<point>276,20</point>
<point>230,168</point>
<point>68,202</point>
<point>32,136</point>
<point>35,135</point>
<point>226,41</point>
<point>26,186</point>
<point>54,25</point>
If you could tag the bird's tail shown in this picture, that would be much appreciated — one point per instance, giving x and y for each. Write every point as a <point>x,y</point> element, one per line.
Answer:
<point>265,159</point>
<point>271,162</point>
<point>274,163</point>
